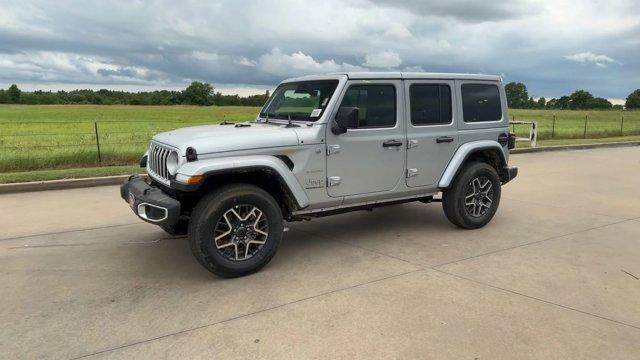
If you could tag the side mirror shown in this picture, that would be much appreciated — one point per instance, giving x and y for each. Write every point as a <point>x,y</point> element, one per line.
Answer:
<point>346,118</point>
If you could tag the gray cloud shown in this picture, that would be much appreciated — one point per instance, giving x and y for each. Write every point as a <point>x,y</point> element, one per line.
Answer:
<point>160,43</point>
<point>472,11</point>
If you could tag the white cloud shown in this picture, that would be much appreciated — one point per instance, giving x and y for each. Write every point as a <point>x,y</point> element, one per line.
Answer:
<point>246,62</point>
<point>589,57</point>
<point>384,60</point>
<point>298,63</point>
<point>397,31</point>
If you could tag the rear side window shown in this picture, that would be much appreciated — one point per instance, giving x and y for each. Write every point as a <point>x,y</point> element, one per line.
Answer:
<point>376,104</point>
<point>481,102</point>
<point>430,104</point>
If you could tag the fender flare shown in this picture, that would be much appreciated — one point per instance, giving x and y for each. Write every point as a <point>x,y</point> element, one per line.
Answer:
<point>461,155</point>
<point>237,163</point>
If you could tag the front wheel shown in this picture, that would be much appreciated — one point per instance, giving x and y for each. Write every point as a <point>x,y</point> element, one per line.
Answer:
<point>474,196</point>
<point>235,230</point>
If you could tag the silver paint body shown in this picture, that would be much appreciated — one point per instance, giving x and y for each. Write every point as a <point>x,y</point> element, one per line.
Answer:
<point>334,171</point>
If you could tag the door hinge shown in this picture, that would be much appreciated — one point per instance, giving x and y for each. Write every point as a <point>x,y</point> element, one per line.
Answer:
<point>333,149</point>
<point>412,172</point>
<point>333,181</point>
<point>412,143</point>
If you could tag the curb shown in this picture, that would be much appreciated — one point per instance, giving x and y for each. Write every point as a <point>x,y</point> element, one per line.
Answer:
<point>576,147</point>
<point>119,179</point>
<point>62,184</point>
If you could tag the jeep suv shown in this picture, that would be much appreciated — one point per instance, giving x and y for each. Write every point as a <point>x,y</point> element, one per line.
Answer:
<point>324,145</point>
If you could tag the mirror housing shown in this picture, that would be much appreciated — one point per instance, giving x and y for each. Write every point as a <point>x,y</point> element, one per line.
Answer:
<point>346,118</point>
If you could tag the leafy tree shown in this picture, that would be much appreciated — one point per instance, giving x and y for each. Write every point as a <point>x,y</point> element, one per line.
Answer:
<point>198,94</point>
<point>633,100</point>
<point>564,102</point>
<point>517,95</point>
<point>542,102</point>
<point>580,99</point>
<point>600,103</point>
<point>13,94</point>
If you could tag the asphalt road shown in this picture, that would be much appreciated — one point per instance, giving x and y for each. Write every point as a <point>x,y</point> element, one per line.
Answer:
<point>555,275</point>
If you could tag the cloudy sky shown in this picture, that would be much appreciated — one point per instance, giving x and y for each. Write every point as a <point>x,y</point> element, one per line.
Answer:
<point>554,46</point>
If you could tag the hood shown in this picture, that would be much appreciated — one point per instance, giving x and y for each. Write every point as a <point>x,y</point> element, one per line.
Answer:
<point>220,138</point>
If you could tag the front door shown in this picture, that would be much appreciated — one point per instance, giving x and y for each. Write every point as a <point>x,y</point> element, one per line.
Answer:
<point>431,130</point>
<point>368,158</point>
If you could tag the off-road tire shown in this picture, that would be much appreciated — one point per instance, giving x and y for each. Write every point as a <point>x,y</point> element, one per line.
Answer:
<point>453,199</point>
<point>178,229</point>
<point>210,211</point>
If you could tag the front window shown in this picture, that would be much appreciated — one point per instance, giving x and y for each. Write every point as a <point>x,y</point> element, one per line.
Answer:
<point>376,104</point>
<point>304,100</point>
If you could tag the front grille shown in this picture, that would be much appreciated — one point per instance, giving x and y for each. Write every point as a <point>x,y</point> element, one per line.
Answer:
<point>157,162</point>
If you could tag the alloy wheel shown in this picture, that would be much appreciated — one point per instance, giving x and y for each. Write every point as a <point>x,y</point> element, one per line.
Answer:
<point>241,232</point>
<point>478,196</point>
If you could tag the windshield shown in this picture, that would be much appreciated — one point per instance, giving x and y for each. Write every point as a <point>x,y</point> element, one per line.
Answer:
<point>304,100</point>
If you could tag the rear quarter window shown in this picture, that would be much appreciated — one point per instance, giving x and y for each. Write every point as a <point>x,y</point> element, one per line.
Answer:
<point>481,103</point>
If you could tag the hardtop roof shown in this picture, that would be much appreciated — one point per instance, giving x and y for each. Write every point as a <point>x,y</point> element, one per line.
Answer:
<point>398,75</point>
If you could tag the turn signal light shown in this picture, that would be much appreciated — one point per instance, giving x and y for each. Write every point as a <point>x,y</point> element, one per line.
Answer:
<point>194,180</point>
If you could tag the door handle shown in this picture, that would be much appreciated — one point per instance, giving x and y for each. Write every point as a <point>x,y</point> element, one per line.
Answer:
<point>444,139</point>
<point>392,143</point>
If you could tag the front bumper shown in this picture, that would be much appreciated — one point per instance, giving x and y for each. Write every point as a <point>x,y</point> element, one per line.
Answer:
<point>150,203</point>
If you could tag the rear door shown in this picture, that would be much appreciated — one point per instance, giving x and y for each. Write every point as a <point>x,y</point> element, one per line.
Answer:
<point>369,158</point>
<point>431,130</point>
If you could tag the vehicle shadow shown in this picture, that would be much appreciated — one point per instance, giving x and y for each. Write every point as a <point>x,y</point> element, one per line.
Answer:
<point>306,242</point>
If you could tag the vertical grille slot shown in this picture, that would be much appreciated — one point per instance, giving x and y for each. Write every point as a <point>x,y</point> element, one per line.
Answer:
<point>157,161</point>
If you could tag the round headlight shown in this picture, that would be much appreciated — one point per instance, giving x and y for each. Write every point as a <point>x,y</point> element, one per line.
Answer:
<point>172,163</point>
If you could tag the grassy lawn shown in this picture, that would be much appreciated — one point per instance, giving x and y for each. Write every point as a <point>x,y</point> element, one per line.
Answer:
<point>43,175</point>
<point>569,124</point>
<point>63,136</point>
<point>47,141</point>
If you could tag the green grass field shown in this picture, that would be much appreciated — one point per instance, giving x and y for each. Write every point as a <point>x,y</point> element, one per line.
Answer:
<point>63,136</point>
<point>569,124</point>
<point>50,137</point>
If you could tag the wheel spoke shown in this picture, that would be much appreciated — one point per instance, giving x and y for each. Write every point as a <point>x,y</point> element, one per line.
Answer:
<point>224,245</point>
<point>223,235</point>
<point>487,186</point>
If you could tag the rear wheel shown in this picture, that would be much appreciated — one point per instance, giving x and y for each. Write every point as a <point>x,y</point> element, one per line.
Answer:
<point>235,230</point>
<point>474,196</point>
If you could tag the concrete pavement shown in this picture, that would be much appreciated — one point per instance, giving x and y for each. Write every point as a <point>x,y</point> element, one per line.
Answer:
<point>554,275</point>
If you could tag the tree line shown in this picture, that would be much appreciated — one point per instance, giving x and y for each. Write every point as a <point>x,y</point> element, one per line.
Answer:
<point>202,93</point>
<point>197,93</point>
<point>518,98</point>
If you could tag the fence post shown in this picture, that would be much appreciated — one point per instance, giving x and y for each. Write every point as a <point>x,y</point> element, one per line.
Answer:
<point>95,126</point>
<point>553,127</point>
<point>584,134</point>
<point>621,126</point>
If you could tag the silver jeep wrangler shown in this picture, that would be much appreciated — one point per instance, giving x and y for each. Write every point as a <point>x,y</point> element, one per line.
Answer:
<point>324,145</point>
